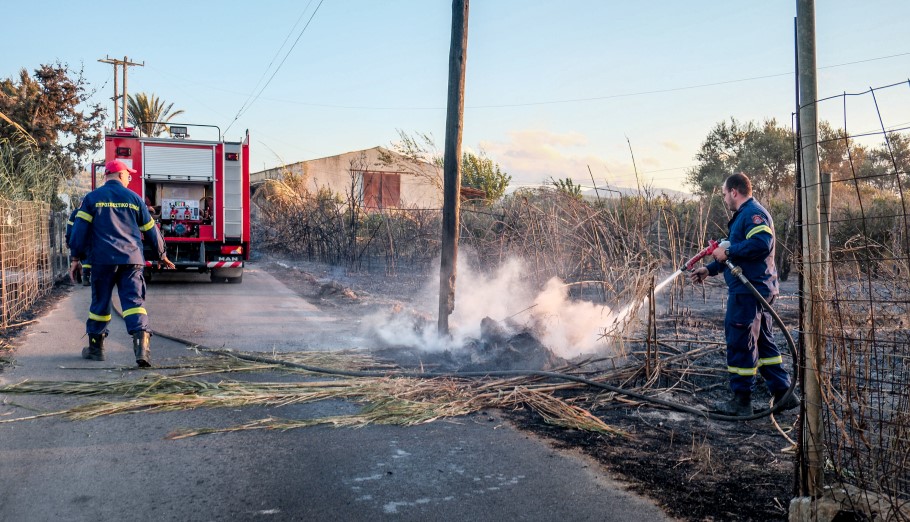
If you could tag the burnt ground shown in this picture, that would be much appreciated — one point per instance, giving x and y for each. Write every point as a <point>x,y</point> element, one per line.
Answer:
<point>697,469</point>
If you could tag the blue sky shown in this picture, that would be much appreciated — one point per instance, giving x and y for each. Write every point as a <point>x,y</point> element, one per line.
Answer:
<point>551,87</point>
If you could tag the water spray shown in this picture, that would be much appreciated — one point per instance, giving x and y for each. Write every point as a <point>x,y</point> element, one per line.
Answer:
<point>688,266</point>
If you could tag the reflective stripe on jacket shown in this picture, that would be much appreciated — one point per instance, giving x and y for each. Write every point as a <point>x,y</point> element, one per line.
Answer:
<point>69,226</point>
<point>752,248</point>
<point>111,224</point>
<point>69,232</point>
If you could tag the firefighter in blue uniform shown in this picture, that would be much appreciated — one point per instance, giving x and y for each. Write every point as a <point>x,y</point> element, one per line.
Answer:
<point>112,223</point>
<point>747,325</point>
<point>86,266</point>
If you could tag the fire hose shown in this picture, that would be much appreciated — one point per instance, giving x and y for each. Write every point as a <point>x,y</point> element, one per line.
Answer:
<point>688,266</point>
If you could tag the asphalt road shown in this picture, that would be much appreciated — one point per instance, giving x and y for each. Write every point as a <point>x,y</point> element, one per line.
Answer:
<point>475,467</point>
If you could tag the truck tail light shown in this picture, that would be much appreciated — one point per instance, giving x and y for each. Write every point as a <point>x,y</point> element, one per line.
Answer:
<point>231,250</point>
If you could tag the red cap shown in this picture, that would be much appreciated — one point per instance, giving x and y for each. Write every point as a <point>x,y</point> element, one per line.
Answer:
<point>115,166</point>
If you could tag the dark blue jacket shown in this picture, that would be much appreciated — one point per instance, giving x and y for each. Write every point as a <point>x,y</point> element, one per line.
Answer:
<point>69,233</point>
<point>752,249</point>
<point>111,224</point>
<point>69,226</point>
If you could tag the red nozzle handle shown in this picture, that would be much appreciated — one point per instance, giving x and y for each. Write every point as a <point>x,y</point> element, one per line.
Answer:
<point>690,264</point>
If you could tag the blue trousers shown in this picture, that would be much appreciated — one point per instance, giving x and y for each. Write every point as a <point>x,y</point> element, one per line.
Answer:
<point>750,346</point>
<point>131,289</point>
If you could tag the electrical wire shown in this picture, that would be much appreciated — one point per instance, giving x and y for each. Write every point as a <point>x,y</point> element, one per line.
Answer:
<point>277,52</point>
<point>547,102</point>
<point>247,106</point>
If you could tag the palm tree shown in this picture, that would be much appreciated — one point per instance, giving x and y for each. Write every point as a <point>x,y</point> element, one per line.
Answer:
<point>148,108</point>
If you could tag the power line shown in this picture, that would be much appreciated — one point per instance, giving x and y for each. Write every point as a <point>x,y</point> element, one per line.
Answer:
<point>277,52</point>
<point>594,98</point>
<point>246,106</point>
<point>125,63</point>
<point>575,100</point>
<point>675,89</point>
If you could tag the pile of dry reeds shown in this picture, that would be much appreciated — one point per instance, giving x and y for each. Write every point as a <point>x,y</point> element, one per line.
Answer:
<point>387,400</point>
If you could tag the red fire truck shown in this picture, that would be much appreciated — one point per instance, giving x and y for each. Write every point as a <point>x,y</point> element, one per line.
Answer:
<point>198,191</point>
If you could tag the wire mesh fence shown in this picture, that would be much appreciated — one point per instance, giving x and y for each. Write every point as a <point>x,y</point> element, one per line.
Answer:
<point>864,295</point>
<point>33,255</point>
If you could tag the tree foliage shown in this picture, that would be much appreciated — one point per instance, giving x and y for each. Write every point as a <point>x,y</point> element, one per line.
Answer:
<point>890,158</point>
<point>567,187</point>
<point>144,110</point>
<point>477,170</point>
<point>480,172</point>
<point>766,154</point>
<point>48,112</point>
<point>763,151</point>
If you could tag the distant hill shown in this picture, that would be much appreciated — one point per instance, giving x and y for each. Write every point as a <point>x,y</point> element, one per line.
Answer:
<point>608,192</point>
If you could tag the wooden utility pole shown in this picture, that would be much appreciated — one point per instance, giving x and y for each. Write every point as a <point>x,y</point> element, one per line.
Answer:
<point>811,282</point>
<point>452,163</point>
<point>125,63</point>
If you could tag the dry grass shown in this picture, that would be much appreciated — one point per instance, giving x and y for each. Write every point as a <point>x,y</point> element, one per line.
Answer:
<point>387,400</point>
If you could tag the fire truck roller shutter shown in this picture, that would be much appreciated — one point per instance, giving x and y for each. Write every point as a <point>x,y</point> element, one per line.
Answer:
<point>179,163</point>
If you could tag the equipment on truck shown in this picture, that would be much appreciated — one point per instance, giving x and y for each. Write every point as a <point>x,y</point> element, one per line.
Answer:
<point>197,190</point>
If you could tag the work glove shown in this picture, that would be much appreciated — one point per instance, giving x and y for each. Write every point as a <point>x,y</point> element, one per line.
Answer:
<point>76,271</point>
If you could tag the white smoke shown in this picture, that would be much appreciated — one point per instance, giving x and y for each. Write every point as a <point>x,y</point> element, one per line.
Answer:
<point>567,327</point>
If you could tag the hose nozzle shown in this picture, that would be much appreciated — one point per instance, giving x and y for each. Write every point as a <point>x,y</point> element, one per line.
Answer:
<point>690,264</point>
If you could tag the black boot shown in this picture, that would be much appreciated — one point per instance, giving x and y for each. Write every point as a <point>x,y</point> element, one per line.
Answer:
<point>86,277</point>
<point>95,349</point>
<point>739,406</point>
<point>789,404</point>
<point>141,349</point>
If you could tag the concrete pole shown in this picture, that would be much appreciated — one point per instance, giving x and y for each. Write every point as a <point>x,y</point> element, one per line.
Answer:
<point>117,113</point>
<point>812,251</point>
<point>116,98</point>
<point>126,64</point>
<point>452,163</point>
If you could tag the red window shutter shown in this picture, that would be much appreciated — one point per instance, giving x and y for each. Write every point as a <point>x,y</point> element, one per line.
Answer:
<point>371,184</point>
<point>391,190</point>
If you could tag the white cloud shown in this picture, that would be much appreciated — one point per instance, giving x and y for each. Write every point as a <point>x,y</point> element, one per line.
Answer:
<point>534,156</point>
<point>671,145</point>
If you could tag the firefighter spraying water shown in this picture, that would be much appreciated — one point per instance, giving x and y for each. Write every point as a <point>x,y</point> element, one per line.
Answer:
<point>689,265</point>
<point>747,263</point>
<point>752,284</point>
